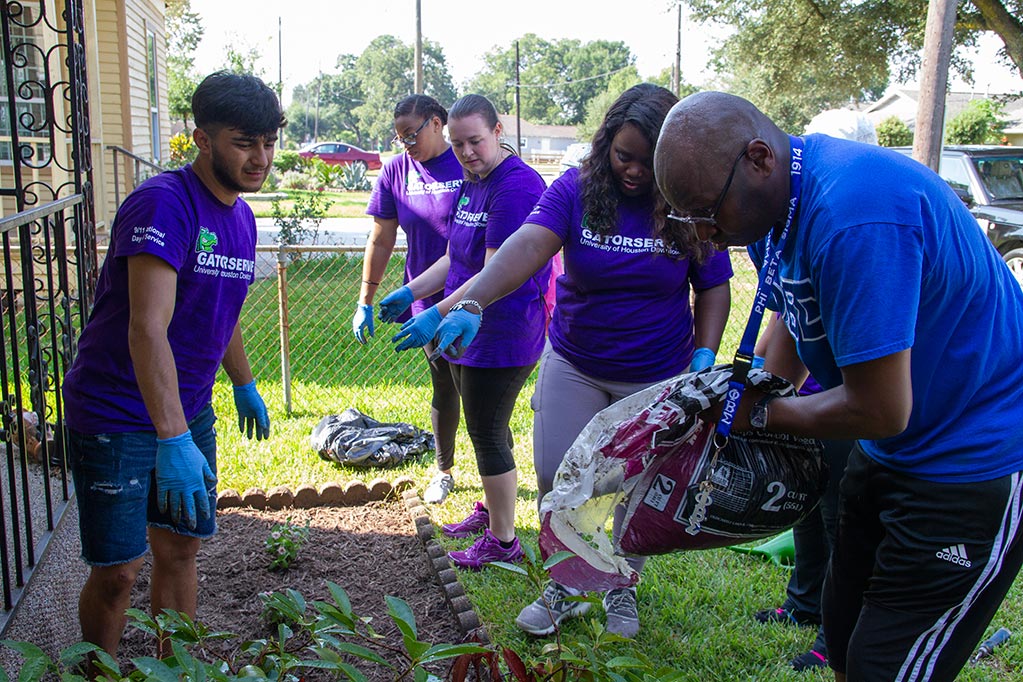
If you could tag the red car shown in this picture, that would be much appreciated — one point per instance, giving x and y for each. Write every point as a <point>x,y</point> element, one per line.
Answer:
<point>341,154</point>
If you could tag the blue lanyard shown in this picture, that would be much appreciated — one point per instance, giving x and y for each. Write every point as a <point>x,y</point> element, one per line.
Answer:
<point>768,275</point>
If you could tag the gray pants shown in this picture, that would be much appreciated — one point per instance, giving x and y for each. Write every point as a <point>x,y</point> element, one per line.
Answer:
<point>564,402</point>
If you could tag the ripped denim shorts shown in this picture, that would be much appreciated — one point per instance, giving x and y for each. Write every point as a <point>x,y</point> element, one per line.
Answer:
<point>115,485</point>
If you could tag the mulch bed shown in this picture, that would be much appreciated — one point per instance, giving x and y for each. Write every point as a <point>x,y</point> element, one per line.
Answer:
<point>370,550</point>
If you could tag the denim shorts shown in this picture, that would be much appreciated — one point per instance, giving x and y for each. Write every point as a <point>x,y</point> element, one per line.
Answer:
<point>115,484</point>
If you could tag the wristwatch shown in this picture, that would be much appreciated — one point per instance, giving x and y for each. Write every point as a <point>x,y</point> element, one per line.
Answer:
<point>758,413</point>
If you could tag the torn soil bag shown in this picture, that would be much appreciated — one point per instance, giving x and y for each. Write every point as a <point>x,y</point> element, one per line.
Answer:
<point>357,440</point>
<point>652,453</point>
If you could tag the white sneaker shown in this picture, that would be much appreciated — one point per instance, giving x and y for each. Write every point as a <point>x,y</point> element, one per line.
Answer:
<point>439,487</point>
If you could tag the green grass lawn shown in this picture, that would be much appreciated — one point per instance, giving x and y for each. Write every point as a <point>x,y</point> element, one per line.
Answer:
<point>343,204</point>
<point>696,608</point>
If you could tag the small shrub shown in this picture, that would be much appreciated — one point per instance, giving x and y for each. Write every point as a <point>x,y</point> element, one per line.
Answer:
<point>893,132</point>
<point>301,222</point>
<point>182,150</point>
<point>287,160</point>
<point>283,543</point>
<point>354,179</point>
<point>979,123</point>
<point>296,180</point>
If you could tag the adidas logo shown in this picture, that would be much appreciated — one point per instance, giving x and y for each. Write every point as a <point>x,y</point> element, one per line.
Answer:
<point>955,554</point>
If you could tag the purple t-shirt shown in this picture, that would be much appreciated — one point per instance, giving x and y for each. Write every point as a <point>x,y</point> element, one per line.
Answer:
<point>488,212</point>
<point>420,196</point>
<point>622,310</point>
<point>212,247</point>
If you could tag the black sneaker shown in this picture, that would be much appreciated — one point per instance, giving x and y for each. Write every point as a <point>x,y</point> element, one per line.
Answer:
<point>786,617</point>
<point>809,661</point>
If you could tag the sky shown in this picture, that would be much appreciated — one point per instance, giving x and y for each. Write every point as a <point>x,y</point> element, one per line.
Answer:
<point>314,32</point>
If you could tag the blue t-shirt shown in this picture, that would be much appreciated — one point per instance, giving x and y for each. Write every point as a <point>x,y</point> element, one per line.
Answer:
<point>622,310</point>
<point>884,258</point>
<point>172,216</point>
<point>421,197</point>
<point>487,213</point>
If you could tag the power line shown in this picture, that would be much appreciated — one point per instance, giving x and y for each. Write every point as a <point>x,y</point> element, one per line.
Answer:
<point>568,82</point>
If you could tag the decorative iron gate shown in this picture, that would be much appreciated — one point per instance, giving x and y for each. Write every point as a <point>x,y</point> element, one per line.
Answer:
<point>47,235</point>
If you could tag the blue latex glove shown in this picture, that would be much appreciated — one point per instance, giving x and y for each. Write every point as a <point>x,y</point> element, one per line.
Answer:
<point>183,479</point>
<point>418,331</point>
<point>251,411</point>
<point>702,359</point>
<point>457,331</point>
<point>362,322</point>
<point>395,303</point>
<point>758,362</point>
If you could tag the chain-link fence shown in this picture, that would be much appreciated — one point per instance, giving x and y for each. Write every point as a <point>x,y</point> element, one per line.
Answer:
<point>297,324</point>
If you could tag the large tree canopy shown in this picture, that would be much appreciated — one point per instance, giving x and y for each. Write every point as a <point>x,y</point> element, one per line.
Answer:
<point>184,32</point>
<point>557,78</point>
<point>794,59</point>
<point>356,104</point>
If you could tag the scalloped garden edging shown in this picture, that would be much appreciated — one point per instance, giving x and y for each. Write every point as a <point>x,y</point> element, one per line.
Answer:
<point>355,493</point>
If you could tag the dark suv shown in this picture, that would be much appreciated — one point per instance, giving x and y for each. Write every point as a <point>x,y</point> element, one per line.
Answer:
<point>989,180</point>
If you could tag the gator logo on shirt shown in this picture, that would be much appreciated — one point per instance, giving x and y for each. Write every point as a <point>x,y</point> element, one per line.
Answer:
<point>206,241</point>
<point>413,177</point>
<point>463,202</point>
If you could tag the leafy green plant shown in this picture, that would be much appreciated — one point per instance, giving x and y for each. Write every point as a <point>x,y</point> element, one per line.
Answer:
<point>979,123</point>
<point>182,149</point>
<point>287,160</point>
<point>324,636</point>
<point>283,543</point>
<point>893,132</point>
<point>354,179</point>
<point>300,223</point>
<point>584,659</point>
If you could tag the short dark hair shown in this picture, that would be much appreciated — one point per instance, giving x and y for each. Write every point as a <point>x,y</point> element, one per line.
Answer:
<point>241,101</point>
<point>423,105</point>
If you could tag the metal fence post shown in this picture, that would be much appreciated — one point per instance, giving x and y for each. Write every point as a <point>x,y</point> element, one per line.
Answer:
<point>282,312</point>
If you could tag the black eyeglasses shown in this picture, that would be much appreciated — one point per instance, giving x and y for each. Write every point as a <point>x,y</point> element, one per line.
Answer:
<point>711,219</point>
<point>410,140</point>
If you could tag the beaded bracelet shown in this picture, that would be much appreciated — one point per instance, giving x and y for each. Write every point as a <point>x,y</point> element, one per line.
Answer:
<point>467,301</point>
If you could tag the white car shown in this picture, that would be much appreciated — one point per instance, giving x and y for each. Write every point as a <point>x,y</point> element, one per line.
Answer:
<point>574,155</point>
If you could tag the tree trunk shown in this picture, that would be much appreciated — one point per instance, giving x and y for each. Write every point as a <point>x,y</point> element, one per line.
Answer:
<point>1008,27</point>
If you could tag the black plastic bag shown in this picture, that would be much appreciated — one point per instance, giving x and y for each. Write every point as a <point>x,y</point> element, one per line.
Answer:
<point>357,440</point>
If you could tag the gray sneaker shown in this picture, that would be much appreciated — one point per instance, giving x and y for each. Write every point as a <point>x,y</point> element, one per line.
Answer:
<point>439,488</point>
<point>621,611</point>
<point>546,613</point>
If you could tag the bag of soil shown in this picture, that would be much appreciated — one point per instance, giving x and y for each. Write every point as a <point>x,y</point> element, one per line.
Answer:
<point>357,440</point>
<point>653,454</point>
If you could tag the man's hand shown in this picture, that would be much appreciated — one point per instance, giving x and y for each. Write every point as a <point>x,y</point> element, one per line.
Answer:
<point>252,414</point>
<point>418,331</point>
<point>362,322</point>
<point>183,477</point>
<point>457,331</point>
<point>395,303</point>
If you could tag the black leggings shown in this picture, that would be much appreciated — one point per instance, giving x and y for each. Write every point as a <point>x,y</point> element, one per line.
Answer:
<point>444,410</point>
<point>488,398</point>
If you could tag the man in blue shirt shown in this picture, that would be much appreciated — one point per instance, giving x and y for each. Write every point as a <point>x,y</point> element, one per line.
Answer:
<point>906,316</point>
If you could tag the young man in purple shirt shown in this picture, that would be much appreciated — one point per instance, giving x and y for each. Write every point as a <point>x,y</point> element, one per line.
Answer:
<point>138,396</point>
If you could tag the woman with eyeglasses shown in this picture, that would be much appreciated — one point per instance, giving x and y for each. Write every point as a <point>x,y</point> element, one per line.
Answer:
<point>416,191</point>
<point>498,194</point>
<point>623,319</point>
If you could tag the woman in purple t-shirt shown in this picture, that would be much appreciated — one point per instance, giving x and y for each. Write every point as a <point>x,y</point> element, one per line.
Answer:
<point>497,196</point>
<point>623,319</point>
<point>416,191</point>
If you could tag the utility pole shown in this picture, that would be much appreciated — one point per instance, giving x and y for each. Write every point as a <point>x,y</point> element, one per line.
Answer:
<point>316,118</point>
<point>419,48</point>
<point>518,118</point>
<point>676,80</point>
<point>930,115</point>
<point>280,77</point>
